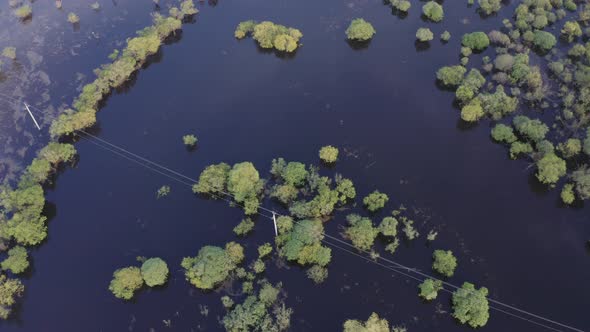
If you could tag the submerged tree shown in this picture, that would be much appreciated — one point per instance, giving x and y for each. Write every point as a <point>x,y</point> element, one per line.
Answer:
<point>375,201</point>
<point>433,11</point>
<point>444,262</point>
<point>154,272</point>
<point>329,154</point>
<point>470,305</point>
<point>245,185</point>
<point>360,30</point>
<point>126,282</point>
<point>17,260</point>
<point>213,179</point>
<point>373,324</point>
<point>211,266</point>
<point>10,291</point>
<point>429,289</point>
<point>361,231</point>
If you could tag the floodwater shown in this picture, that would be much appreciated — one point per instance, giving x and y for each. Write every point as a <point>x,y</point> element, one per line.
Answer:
<point>380,103</point>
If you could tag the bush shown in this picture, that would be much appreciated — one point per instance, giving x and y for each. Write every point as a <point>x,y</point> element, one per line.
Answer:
<point>445,36</point>
<point>433,11</point>
<point>361,231</point>
<point>154,272</point>
<point>388,226</point>
<point>10,291</point>
<point>125,282</point>
<point>581,178</point>
<point>451,75</point>
<point>329,154</point>
<point>478,41</point>
<point>73,18</point>
<point>270,35</point>
<point>534,129</point>
<point>401,5</point>
<point>375,201</point>
<point>317,273</point>
<point>244,227</point>
<point>489,7</point>
<point>429,289</point>
<point>189,140</point>
<point>424,34</point>
<point>373,324</point>
<point>209,268</point>
<point>571,30</point>
<point>244,28</point>
<point>567,194</point>
<point>23,12</point>
<point>504,62</point>
<point>360,30</point>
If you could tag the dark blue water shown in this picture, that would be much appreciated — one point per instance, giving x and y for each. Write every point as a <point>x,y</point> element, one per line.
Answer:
<point>380,103</point>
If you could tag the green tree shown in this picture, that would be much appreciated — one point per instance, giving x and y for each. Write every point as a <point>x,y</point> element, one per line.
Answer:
<point>444,263</point>
<point>125,282</point>
<point>571,30</point>
<point>295,173</point>
<point>489,7</point>
<point>433,11</point>
<point>264,250</point>
<point>429,289</point>
<point>544,40</point>
<point>503,133</point>
<point>360,30</point>
<point>17,260</point>
<point>189,140</point>
<point>550,169</point>
<point>477,41</point>
<point>329,154</point>
<point>570,148</point>
<point>244,28</point>
<point>470,305</point>
<point>213,179</point>
<point>388,226</point>
<point>209,268</point>
<point>303,244</point>
<point>345,189</point>
<point>244,227</point>
<point>473,111</point>
<point>519,148</point>
<point>10,291</point>
<point>424,34</point>
<point>375,201</point>
<point>187,8</point>
<point>373,324</point>
<point>154,272</point>
<point>581,178</point>
<point>567,194</point>
<point>451,75</point>
<point>317,273</point>
<point>535,130</point>
<point>361,231</point>
<point>401,5</point>
<point>498,104</point>
<point>245,185</point>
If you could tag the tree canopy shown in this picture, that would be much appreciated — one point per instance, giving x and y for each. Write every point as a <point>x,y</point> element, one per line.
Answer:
<point>433,11</point>
<point>477,41</point>
<point>270,35</point>
<point>470,305</point>
<point>373,324</point>
<point>375,201</point>
<point>361,231</point>
<point>360,30</point>
<point>245,185</point>
<point>329,154</point>
<point>126,282</point>
<point>17,260</point>
<point>210,267</point>
<point>10,291</point>
<point>429,289</point>
<point>444,262</point>
<point>154,272</point>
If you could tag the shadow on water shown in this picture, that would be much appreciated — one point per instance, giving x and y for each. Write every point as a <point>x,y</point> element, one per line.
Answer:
<point>421,46</point>
<point>358,45</point>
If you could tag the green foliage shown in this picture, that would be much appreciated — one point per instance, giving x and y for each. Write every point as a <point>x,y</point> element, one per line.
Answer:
<point>70,121</point>
<point>264,250</point>
<point>519,148</point>
<point>445,36</point>
<point>320,206</point>
<point>9,52</point>
<point>294,173</point>
<point>213,179</point>
<point>433,11</point>
<point>284,224</point>
<point>244,28</point>
<point>470,305</point>
<point>244,227</point>
<point>444,262</point>
<point>498,104</point>
<point>587,143</point>
<point>187,8</point>
<point>375,201</point>
<point>95,6</point>
<point>360,30</point>
<point>451,75</point>
<point>284,193</point>
<point>570,148</point>
<point>503,133</point>
<point>550,169</point>
<point>504,62</point>
<point>189,140</point>
<point>17,260</point>
<point>544,40</point>
<point>477,41</point>
<point>361,231</point>
<point>303,244</point>
<point>329,154</point>
<point>571,30</point>
<point>154,272</point>
<point>429,289</point>
<point>163,191</point>
<point>10,291</point>
<point>23,12</point>
<point>345,189</point>
<point>489,7</point>
<point>401,5</point>
<point>227,302</point>
<point>73,18</point>
<point>317,273</point>
<point>373,324</point>
<point>235,252</point>
<point>56,153</point>
<point>581,178</point>
<point>388,226</point>
<point>209,268</point>
<point>567,194</point>
<point>534,130</point>
<point>245,185</point>
<point>258,266</point>
<point>125,282</point>
<point>424,34</point>
<point>473,111</point>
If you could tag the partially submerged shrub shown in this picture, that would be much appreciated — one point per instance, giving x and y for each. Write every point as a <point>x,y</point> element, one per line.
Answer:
<point>360,30</point>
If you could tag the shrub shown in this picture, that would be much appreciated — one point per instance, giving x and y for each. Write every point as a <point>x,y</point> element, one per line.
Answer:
<point>550,169</point>
<point>244,227</point>
<point>10,291</point>
<point>445,36</point>
<point>374,323</point>
<point>567,194</point>
<point>424,34</point>
<point>571,30</point>
<point>433,11</point>
<point>444,262</point>
<point>476,40</point>
<point>360,30</point>
<point>17,261</point>
<point>429,289</point>
<point>489,7</point>
<point>472,112</point>
<point>503,133</point>
<point>375,201</point>
<point>361,231</point>
<point>209,268</point>
<point>329,154</point>
<point>317,273</point>
<point>401,5</point>
<point>125,282</point>
<point>189,140</point>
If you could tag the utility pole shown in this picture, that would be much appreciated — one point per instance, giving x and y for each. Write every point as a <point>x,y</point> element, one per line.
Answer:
<point>32,117</point>
<point>274,219</point>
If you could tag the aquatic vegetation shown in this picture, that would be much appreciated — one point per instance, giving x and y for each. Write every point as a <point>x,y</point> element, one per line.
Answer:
<point>433,11</point>
<point>424,34</point>
<point>401,5</point>
<point>126,282</point>
<point>73,18</point>
<point>10,291</point>
<point>264,311</point>
<point>329,154</point>
<point>375,201</point>
<point>581,178</point>
<point>212,265</point>
<point>361,231</point>
<point>444,263</point>
<point>489,7</point>
<point>503,133</point>
<point>429,289</point>
<point>17,261</point>
<point>154,272</point>
<point>163,191</point>
<point>477,41</point>
<point>473,111</point>
<point>189,140</point>
<point>373,324</point>
<point>360,30</point>
<point>270,35</point>
<point>470,305</point>
<point>23,12</point>
<point>9,52</point>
